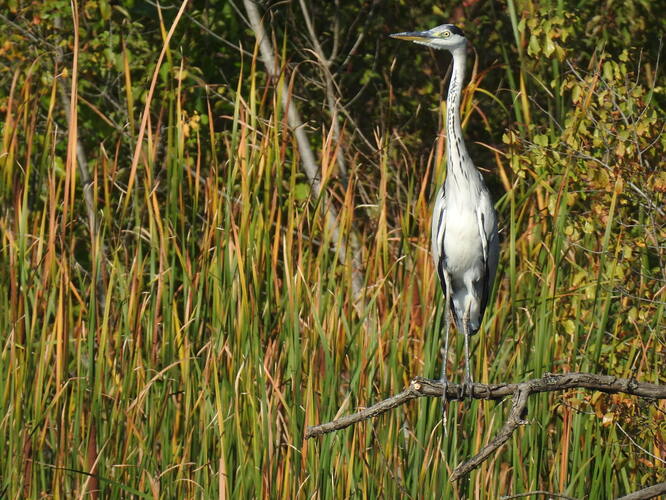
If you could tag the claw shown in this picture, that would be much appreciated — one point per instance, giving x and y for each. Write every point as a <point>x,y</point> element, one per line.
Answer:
<point>468,388</point>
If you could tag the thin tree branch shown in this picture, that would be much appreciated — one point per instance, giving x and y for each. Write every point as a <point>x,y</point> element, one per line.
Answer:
<point>307,156</point>
<point>651,455</point>
<point>325,64</point>
<point>515,420</point>
<point>422,387</point>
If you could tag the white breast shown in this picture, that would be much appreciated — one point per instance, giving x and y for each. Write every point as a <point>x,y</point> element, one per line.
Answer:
<point>462,242</point>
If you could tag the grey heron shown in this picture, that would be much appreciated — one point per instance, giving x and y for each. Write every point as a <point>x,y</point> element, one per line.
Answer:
<point>465,243</point>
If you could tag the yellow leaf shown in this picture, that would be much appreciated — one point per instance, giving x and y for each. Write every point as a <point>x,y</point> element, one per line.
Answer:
<point>550,47</point>
<point>533,47</point>
<point>576,92</point>
<point>607,419</point>
<point>620,150</point>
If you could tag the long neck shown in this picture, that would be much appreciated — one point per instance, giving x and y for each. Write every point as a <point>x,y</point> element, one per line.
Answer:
<point>459,164</point>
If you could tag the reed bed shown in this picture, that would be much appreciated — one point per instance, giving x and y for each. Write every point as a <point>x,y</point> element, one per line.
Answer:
<point>170,327</point>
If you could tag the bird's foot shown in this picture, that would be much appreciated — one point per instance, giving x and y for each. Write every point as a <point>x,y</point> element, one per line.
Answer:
<point>445,382</point>
<point>467,388</point>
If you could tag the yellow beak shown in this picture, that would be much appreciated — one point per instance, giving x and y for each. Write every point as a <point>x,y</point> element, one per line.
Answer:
<point>412,36</point>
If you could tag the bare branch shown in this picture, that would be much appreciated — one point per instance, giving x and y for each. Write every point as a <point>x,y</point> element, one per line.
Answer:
<point>515,420</point>
<point>325,64</point>
<point>422,387</point>
<point>645,493</point>
<point>307,156</point>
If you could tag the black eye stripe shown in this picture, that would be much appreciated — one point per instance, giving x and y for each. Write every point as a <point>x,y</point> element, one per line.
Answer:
<point>456,30</point>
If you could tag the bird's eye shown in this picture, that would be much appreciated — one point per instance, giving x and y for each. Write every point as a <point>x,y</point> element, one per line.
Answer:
<point>445,34</point>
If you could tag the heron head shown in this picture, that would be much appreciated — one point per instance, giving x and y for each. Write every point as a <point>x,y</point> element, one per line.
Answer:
<point>443,37</point>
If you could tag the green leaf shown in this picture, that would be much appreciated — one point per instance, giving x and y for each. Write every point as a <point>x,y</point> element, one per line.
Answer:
<point>301,191</point>
<point>533,48</point>
<point>549,48</point>
<point>105,9</point>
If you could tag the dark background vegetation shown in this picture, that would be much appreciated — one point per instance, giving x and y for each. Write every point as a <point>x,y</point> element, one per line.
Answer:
<point>173,315</point>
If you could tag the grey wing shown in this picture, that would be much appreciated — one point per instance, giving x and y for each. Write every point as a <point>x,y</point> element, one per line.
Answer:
<point>437,236</point>
<point>487,218</point>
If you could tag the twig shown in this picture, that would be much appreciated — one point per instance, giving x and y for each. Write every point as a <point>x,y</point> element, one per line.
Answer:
<point>422,387</point>
<point>651,455</point>
<point>514,421</point>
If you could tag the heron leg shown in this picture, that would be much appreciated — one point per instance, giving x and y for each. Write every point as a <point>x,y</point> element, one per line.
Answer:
<point>444,351</point>
<point>467,385</point>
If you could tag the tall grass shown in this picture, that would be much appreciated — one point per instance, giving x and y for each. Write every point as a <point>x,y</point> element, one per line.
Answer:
<point>179,348</point>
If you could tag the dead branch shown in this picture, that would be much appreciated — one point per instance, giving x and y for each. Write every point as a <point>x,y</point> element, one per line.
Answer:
<point>267,53</point>
<point>645,493</point>
<point>325,66</point>
<point>520,392</point>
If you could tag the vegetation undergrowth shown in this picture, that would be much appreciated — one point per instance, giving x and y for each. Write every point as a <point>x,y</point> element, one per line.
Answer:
<point>173,312</point>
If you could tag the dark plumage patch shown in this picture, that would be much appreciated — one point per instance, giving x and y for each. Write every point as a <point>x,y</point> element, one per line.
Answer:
<point>456,30</point>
